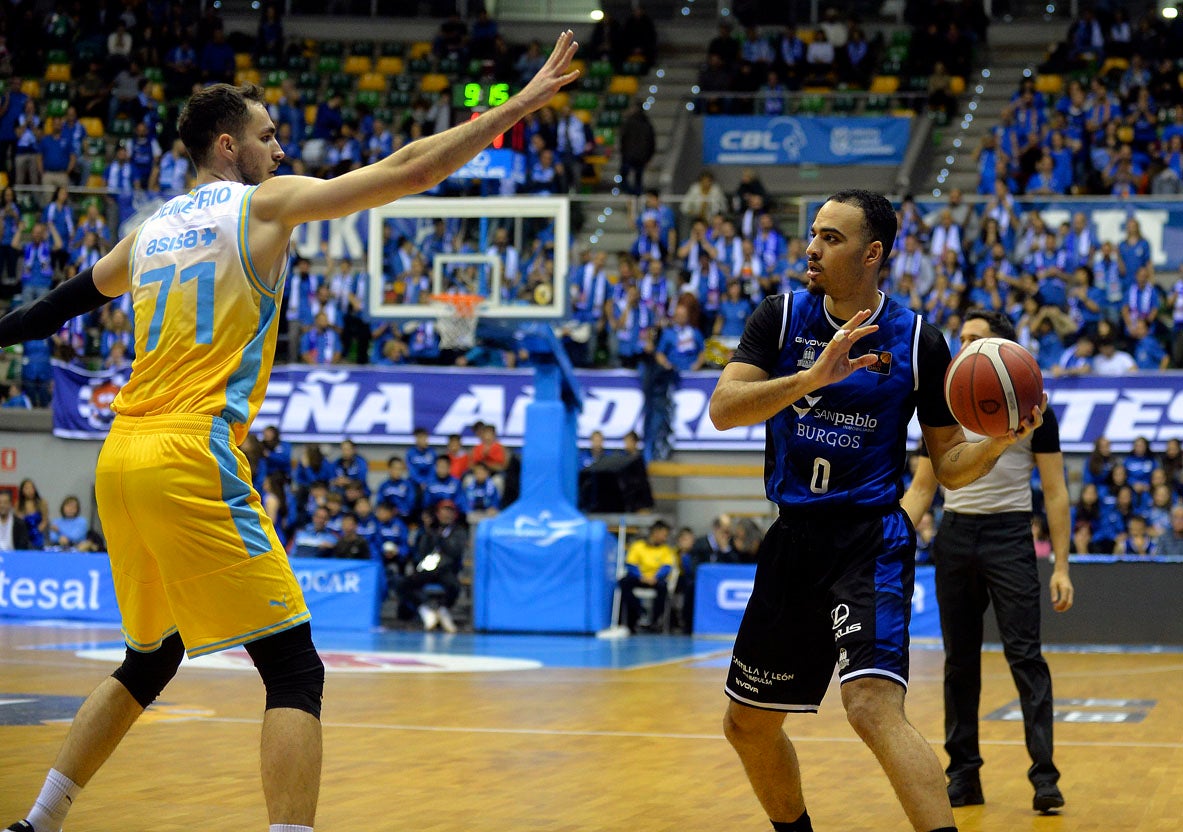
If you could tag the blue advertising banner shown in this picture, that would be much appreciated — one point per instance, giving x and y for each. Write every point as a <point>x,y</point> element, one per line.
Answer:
<point>384,406</point>
<point>722,591</point>
<point>341,594</point>
<point>490,164</point>
<point>816,140</point>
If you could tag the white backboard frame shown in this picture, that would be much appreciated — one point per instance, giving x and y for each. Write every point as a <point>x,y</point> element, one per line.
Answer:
<point>555,208</point>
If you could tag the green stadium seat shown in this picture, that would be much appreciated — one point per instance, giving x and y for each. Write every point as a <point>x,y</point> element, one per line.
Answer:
<point>95,147</point>
<point>449,66</point>
<point>296,63</point>
<point>901,37</point>
<point>586,101</point>
<point>56,107</point>
<point>633,68</point>
<point>154,74</point>
<point>349,113</point>
<point>384,113</point>
<point>98,166</point>
<point>57,89</point>
<point>609,118</point>
<point>328,64</point>
<point>404,83</point>
<point>813,104</point>
<point>362,47</point>
<point>600,69</point>
<point>266,63</point>
<point>605,136</point>
<point>370,98</point>
<point>399,98</point>
<point>57,56</point>
<point>331,48</point>
<point>476,68</point>
<point>122,127</point>
<point>843,103</point>
<point>276,77</point>
<point>394,49</point>
<point>309,79</point>
<point>590,84</point>
<point>419,66</point>
<point>877,104</point>
<point>616,101</point>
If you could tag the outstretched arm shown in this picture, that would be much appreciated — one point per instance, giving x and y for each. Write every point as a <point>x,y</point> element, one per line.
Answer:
<point>420,165</point>
<point>957,462</point>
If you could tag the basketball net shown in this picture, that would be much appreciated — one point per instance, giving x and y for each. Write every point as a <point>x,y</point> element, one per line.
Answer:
<point>457,320</point>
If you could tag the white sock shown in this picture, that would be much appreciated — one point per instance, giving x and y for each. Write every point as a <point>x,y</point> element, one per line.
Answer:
<point>55,800</point>
<point>288,827</point>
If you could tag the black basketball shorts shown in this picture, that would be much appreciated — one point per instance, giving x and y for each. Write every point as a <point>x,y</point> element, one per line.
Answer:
<point>831,588</point>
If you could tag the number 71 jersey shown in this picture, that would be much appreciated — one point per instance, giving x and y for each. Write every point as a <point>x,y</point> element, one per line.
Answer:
<point>845,443</point>
<point>205,319</point>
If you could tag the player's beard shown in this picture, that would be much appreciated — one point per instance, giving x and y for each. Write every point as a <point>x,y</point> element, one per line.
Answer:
<point>814,288</point>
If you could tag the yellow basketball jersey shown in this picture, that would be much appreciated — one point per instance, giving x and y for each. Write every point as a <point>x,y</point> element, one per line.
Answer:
<point>205,322</point>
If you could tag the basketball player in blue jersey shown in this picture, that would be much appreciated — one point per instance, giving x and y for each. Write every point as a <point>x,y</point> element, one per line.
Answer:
<point>195,559</point>
<point>837,372</point>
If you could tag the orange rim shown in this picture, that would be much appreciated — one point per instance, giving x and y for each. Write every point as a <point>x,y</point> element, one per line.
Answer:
<point>465,306</point>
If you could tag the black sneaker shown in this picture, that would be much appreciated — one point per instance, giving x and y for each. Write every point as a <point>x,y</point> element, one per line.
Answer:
<point>965,792</point>
<point>1048,798</point>
<point>25,826</point>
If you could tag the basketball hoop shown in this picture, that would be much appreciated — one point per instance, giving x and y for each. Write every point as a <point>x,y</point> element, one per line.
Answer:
<point>457,321</point>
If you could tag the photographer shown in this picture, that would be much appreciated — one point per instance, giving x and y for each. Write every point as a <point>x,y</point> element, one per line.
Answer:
<point>436,576</point>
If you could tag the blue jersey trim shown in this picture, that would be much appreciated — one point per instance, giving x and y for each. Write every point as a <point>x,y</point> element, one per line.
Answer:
<point>244,252</point>
<point>243,380</point>
<point>236,492</point>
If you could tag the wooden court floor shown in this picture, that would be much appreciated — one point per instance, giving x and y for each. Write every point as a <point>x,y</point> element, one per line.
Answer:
<point>565,748</point>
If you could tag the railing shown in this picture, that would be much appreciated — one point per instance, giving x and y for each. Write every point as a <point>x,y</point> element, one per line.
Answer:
<point>806,102</point>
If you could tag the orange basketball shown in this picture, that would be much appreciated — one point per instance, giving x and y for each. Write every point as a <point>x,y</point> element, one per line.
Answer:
<point>992,385</point>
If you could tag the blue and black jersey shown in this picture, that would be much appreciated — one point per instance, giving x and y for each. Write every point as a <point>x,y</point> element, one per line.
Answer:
<point>845,444</point>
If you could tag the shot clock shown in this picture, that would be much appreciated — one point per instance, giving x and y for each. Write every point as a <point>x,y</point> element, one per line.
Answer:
<point>475,97</point>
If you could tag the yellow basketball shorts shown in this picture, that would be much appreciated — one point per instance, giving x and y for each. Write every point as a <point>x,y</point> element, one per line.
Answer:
<point>191,547</point>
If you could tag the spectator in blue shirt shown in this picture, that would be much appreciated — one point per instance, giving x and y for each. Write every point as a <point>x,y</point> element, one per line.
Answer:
<point>393,537</point>
<point>36,263</point>
<point>328,118</point>
<point>312,468</point>
<point>321,344</point>
<point>144,152</point>
<point>1148,350</point>
<point>58,158</point>
<point>481,495</point>
<point>421,459</point>
<point>733,312</point>
<point>1076,360</point>
<point>277,454</point>
<point>399,490</point>
<point>681,345</point>
<point>315,540</point>
<point>442,486</point>
<point>71,530</point>
<point>350,468</point>
<point>217,59</point>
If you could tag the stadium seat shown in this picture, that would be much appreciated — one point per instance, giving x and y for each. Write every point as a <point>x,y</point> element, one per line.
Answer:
<point>586,101</point>
<point>296,63</point>
<point>362,47</point>
<point>393,49</point>
<point>616,101</point>
<point>389,65</point>
<point>331,48</point>
<point>272,94</point>
<point>384,113</point>
<point>122,127</point>
<point>31,87</point>
<point>559,101</point>
<point>358,65</point>
<point>276,77</point>
<point>605,136</point>
<point>404,82</point>
<point>885,84</point>
<point>328,64</point>
<point>94,146</point>
<point>154,74</point>
<point>369,98</point>
<point>92,126</point>
<point>916,83</point>
<point>449,66</point>
<point>601,69</point>
<point>609,118</point>
<point>55,108</point>
<point>98,166</point>
<point>340,82</point>
<point>1049,84</point>
<point>57,89</point>
<point>633,67</point>
<point>156,91</point>
<point>310,114</point>
<point>372,82</point>
<point>956,85</point>
<point>843,103</point>
<point>1114,64</point>
<point>309,79</point>
<point>420,49</point>
<point>813,103</point>
<point>57,56</point>
<point>877,104</point>
<point>243,60</point>
<point>399,98</point>
<point>434,82</point>
<point>419,66</point>
<point>57,72</point>
<point>586,116</point>
<point>624,85</point>
<point>246,76</point>
<point>266,63</point>
<point>901,37</point>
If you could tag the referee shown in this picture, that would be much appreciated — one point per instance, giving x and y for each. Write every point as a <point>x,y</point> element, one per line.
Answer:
<point>984,554</point>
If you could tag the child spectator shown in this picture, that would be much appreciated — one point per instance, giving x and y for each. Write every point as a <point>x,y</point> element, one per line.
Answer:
<point>71,530</point>
<point>442,486</point>
<point>399,490</point>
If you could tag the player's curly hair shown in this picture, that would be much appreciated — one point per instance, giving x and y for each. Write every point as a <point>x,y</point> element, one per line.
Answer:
<point>210,112</point>
<point>878,216</point>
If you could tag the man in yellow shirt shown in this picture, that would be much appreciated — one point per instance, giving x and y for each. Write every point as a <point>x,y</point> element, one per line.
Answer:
<point>648,563</point>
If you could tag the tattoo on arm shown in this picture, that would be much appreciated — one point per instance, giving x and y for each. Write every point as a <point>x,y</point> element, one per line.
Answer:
<point>955,454</point>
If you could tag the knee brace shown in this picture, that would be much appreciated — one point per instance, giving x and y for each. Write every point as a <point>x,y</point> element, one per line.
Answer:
<point>292,672</point>
<point>146,674</point>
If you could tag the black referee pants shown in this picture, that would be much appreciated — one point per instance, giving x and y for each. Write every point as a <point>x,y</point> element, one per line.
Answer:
<point>984,559</point>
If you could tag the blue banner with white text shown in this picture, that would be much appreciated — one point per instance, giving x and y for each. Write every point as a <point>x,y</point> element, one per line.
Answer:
<point>341,594</point>
<point>722,590</point>
<point>384,406</point>
<point>815,140</point>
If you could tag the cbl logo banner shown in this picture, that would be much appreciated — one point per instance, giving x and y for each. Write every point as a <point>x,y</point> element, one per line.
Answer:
<point>816,140</point>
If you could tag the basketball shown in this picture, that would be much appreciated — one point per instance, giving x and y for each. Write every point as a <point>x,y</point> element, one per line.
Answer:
<point>992,385</point>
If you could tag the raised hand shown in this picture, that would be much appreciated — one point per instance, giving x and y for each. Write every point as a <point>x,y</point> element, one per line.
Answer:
<point>835,363</point>
<point>555,74</point>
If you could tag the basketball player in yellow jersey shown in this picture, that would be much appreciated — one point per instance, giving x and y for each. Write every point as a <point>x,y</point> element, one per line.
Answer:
<point>196,562</point>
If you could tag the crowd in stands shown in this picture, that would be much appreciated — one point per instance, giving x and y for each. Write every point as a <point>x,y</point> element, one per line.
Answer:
<point>26,522</point>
